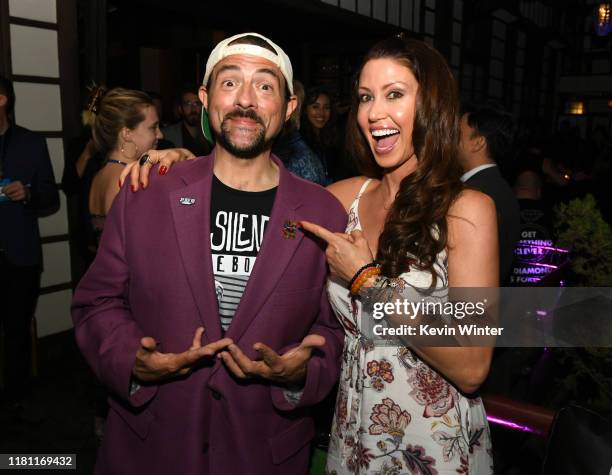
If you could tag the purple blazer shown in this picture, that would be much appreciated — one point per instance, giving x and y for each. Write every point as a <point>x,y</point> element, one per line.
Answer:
<point>153,277</point>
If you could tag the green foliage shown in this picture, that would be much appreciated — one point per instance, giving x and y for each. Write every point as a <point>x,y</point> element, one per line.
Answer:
<point>583,231</point>
<point>588,379</point>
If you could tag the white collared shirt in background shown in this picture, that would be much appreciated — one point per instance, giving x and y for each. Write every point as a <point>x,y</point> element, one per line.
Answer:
<point>470,173</point>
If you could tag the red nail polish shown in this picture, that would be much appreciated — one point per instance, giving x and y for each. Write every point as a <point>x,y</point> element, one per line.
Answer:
<point>119,183</point>
<point>143,185</point>
<point>163,169</point>
<point>134,188</point>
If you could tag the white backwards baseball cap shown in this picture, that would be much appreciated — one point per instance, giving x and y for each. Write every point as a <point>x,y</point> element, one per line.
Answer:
<point>224,49</point>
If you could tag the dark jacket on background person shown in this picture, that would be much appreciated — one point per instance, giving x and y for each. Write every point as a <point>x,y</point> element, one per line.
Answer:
<point>180,137</point>
<point>25,158</point>
<point>299,158</point>
<point>491,182</point>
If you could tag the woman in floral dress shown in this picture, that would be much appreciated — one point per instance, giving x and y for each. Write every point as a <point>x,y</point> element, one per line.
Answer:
<point>399,410</point>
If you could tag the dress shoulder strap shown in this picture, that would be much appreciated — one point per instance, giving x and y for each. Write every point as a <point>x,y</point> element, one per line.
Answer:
<point>363,188</point>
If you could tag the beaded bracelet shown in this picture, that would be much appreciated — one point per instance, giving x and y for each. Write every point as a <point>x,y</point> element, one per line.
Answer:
<point>359,271</point>
<point>363,277</point>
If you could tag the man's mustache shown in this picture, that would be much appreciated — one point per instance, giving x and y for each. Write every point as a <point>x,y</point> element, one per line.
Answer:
<point>244,114</point>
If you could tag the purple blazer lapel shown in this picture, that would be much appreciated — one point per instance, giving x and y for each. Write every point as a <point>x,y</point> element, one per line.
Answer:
<point>190,207</point>
<point>274,256</point>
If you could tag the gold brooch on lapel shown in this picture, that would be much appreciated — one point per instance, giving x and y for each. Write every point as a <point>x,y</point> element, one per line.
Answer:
<point>289,229</point>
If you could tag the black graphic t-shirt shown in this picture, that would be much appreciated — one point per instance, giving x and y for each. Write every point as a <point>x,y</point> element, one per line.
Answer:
<point>238,223</point>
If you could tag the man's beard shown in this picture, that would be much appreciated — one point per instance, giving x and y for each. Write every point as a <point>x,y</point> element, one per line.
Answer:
<point>192,120</point>
<point>259,144</point>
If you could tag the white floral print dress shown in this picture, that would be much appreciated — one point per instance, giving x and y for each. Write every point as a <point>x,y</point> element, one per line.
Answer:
<point>394,414</point>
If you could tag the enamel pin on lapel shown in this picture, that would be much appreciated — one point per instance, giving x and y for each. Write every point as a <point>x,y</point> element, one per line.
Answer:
<point>187,201</point>
<point>289,229</point>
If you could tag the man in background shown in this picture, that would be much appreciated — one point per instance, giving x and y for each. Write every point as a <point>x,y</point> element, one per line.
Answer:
<point>27,191</point>
<point>487,135</point>
<point>187,133</point>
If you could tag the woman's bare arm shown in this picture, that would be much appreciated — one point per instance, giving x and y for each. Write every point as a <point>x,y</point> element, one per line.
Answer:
<point>473,261</point>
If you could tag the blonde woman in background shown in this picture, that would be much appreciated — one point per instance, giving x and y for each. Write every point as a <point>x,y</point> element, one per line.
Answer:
<point>126,126</point>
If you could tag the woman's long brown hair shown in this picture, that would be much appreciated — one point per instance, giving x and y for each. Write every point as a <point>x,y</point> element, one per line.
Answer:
<point>421,205</point>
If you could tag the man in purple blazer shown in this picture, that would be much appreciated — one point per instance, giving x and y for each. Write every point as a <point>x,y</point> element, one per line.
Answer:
<point>205,311</point>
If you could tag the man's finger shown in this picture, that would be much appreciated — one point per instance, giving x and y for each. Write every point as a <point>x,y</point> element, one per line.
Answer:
<point>270,357</point>
<point>193,355</point>
<point>308,344</point>
<point>214,347</point>
<point>248,366</point>
<point>148,343</point>
<point>185,371</point>
<point>319,231</point>
<point>186,359</point>
<point>228,360</point>
<point>312,341</point>
<point>197,338</point>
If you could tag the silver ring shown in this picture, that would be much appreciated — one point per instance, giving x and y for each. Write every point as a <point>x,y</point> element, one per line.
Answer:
<point>145,159</point>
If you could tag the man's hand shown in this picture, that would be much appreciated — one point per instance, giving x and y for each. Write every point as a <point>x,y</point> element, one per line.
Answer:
<point>16,191</point>
<point>151,365</point>
<point>289,368</point>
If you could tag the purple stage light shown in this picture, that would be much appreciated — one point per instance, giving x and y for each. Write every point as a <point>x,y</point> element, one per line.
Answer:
<point>511,425</point>
<point>546,248</point>
<point>549,266</point>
